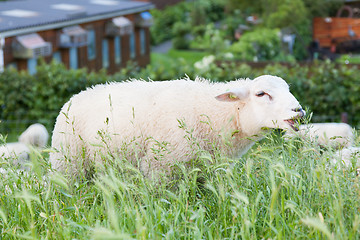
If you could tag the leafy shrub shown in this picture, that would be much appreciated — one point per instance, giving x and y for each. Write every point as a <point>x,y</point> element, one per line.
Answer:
<point>165,19</point>
<point>16,94</point>
<point>198,31</point>
<point>349,59</point>
<point>180,32</point>
<point>180,42</point>
<point>260,44</point>
<point>40,97</point>
<point>196,13</point>
<point>212,40</point>
<point>206,11</point>
<point>282,14</point>
<point>302,40</point>
<point>232,21</point>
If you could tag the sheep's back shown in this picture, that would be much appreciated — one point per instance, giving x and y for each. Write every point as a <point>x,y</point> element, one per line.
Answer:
<point>121,112</point>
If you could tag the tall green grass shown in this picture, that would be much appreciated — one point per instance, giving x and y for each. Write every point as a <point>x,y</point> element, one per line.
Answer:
<point>278,190</point>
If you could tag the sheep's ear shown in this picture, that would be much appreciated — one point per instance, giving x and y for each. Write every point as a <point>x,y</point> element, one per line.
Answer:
<point>234,95</point>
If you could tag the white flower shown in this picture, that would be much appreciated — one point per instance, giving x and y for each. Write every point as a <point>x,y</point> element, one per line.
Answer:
<point>208,59</point>
<point>198,65</point>
<point>228,55</point>
<point>205,62</point>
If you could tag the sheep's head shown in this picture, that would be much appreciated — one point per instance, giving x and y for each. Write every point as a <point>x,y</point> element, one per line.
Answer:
<point>264,102</point>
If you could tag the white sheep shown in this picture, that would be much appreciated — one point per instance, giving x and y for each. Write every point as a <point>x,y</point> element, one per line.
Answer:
<point>35,136</point>
<point>164,122</point>
<point>16,152</point>
<point>336,135</point>
<point>346,156</point>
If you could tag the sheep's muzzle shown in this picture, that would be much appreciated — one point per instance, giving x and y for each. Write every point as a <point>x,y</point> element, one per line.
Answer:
<point>291,122</point>
<point>294,120</point>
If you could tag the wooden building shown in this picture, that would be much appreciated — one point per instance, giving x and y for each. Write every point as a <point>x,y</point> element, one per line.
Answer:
<point>328,31</point>
<point>161,4</point>
<point>94,34</point>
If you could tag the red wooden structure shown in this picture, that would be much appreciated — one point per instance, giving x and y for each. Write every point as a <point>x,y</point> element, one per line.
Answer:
<point>330,32</point>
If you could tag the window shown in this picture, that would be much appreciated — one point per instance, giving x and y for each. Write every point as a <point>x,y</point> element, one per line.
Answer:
<point>31,63</point>
<point>132,46</point>
<point>142,42</point>
<point>117,46</point>
<point>105,53</point>
<point>91,48</point>
<point>57,57</point>
<point>73,58</point>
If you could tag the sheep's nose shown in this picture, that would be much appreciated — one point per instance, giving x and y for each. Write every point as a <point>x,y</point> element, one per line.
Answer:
<point>300,111</point>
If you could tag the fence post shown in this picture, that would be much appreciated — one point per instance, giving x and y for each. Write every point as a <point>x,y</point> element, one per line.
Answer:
<point>344,117</point>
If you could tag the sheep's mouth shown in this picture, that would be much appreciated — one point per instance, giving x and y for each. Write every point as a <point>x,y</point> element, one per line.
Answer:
<point>291,122</point>
<point>294,120</point>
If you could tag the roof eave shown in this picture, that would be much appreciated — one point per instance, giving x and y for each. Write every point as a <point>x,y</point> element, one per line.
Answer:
<point>48,26</point>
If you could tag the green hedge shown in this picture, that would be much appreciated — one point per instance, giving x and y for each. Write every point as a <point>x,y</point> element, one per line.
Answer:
<point>38,98</point>
<point>165,19</point>
<point>323,87</point>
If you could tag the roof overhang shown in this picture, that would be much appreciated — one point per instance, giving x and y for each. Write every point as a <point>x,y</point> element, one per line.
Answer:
<point>55,25</point>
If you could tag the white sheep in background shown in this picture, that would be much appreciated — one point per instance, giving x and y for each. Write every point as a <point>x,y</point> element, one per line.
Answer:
<point>346,156</point>
<point>18,152</point>
<point>35,136</point>
<point>153,117</point>
<point>336,135</point>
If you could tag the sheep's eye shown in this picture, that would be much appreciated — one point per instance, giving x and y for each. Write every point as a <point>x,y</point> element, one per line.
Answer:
<point>260,94</point>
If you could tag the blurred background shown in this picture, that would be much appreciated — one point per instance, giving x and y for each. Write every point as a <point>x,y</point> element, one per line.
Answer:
<point>50,50</point>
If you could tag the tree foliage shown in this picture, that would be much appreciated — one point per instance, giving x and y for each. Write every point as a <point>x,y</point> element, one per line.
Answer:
<point>284,13</point>
<point>265,8</point>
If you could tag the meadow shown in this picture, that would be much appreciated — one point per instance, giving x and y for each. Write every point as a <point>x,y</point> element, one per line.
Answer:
<point>278,190</point>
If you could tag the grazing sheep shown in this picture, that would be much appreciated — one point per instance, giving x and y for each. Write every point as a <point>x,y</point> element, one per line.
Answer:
<point>168,121</point>
<point>347,155</point>
<point>35,135</point>
<point>17,152</point>
<point>327,134</point>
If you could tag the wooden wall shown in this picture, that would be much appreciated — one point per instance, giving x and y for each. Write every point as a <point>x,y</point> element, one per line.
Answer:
<point>83,61</point>
<point>326,30</point>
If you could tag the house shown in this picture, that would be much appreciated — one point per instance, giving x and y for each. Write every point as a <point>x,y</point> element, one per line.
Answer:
<point>94,34</point>
<point>161,4</point>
